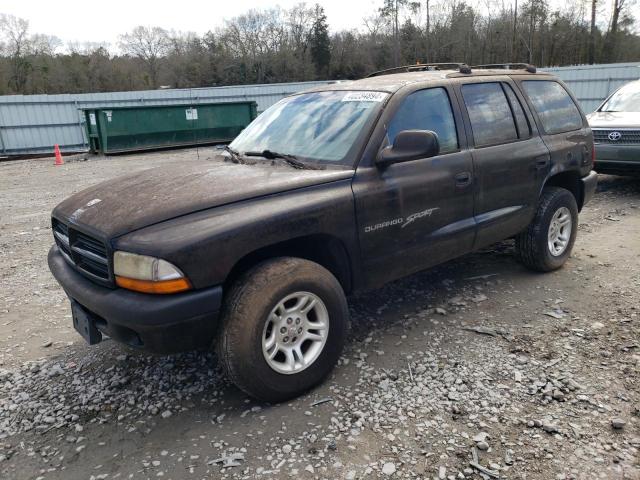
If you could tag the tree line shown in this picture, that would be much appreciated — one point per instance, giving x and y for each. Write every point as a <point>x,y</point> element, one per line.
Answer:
<point>278,45</point>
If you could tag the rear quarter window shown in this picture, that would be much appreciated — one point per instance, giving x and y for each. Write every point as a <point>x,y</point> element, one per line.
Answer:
<point>556,109</point>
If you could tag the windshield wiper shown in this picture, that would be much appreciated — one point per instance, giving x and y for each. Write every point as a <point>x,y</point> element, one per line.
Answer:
<point>290,159</point>
<point>235,156</point>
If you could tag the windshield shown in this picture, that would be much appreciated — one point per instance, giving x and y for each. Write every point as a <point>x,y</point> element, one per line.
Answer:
<point>627,99</point>
<point>320,126</point>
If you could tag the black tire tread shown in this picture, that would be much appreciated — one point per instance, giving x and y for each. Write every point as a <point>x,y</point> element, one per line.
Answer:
<point>528,248</point>
<point>246,287</point>
<point>251,280</point>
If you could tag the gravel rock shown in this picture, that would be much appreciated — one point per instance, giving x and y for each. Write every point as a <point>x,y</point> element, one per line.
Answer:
<point>484,446</point>
<point>91,389</point>
<point>389,468</point>
<point>618,423</point>
<point>496,366</point>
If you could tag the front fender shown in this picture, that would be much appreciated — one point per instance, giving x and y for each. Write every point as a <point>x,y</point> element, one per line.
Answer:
<point>206,245</point>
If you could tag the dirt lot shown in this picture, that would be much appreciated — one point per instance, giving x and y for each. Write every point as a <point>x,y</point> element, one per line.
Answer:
<point>536,375</point>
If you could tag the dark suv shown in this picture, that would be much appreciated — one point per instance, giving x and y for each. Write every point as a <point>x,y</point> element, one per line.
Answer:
<point>330,191</point>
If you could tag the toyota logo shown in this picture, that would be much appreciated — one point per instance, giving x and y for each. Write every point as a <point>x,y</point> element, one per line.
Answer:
<point>615,136</point>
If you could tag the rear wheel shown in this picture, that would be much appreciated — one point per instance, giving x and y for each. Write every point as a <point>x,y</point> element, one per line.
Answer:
<point>284,326</point>
<point>546,243</point>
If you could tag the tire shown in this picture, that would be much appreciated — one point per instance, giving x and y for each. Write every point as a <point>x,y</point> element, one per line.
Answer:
<point>247,320</point>
<point>533,244</point>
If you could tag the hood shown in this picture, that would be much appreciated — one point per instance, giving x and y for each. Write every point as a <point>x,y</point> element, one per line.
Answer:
<point>134,201</point>
<point>614,119</point>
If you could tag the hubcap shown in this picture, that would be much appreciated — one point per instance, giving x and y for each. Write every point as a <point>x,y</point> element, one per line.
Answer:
<point>560,231</point>
<point>295,332</point>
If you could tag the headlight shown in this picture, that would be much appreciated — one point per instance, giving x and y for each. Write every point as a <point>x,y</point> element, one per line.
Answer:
<point>147,274</point>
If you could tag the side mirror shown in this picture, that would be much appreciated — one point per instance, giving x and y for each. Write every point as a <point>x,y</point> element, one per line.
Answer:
<point>409,145</point>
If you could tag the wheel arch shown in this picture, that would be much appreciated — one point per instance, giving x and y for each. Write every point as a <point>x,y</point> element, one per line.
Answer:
<point>323,249</point>
<point>569,180</point>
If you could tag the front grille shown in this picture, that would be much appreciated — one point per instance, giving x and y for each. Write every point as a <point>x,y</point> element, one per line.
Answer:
<point>627,137</point>
<point>86,253</point>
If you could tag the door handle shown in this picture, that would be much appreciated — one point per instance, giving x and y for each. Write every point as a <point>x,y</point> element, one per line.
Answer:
<point>542,163</point>
<point>463,179</point>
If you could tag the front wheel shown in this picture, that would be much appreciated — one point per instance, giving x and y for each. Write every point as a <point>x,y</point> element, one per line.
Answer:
<point>546,243</point>
<point>284,325</point>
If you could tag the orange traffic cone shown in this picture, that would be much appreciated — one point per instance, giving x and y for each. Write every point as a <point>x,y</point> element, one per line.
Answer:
<point>59,160</point>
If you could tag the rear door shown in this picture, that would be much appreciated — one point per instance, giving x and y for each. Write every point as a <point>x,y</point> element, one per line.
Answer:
<point>510,161</point>
<point>563,127</point>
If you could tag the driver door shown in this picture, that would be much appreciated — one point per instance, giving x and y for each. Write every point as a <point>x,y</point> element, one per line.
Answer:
<point>418,213</point>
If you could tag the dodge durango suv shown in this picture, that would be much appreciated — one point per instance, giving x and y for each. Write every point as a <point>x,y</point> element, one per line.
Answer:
<point>338,189</point>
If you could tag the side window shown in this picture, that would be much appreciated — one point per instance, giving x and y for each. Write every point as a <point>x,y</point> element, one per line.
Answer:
<point>556,109</point>
<point>428,109</point>
<point>490,114</point>
<point>524,130</point>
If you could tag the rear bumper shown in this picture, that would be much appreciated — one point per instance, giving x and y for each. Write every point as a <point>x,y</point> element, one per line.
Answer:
<point>155,323</point>
<point>589,184</point>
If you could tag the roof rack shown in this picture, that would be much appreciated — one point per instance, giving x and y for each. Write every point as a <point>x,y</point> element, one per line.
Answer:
<point>508,66</point>
<point>423,67</point>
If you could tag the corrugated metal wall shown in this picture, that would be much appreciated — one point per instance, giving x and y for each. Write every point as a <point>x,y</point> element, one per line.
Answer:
<point>591,84</point>
<point>31,124</point>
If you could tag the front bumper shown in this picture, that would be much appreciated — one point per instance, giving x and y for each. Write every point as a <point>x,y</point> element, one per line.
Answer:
<point>617,159</point>
<point>589,184</point>
<point>155,323</point>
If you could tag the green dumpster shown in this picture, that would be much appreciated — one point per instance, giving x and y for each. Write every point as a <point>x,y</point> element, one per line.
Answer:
<point>126,129</point>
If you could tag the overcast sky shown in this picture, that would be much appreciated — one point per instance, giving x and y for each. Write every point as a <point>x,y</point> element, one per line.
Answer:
<point>103,21</point>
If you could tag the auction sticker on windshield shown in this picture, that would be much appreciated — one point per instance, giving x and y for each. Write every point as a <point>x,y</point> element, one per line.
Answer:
<point>364,97</point>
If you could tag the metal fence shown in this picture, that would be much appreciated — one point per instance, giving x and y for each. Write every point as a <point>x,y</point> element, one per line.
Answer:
<point>32,124</point>
<point>591,84</point>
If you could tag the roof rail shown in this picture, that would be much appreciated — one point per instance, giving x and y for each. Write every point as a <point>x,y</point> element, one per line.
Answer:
<point>423,67</point>
<point>508,66</point>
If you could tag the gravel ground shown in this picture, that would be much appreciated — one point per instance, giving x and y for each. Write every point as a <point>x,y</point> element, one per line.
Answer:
<point>475,369</point>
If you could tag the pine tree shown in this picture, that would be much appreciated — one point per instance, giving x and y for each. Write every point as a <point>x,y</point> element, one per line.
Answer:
<point>320,42</point>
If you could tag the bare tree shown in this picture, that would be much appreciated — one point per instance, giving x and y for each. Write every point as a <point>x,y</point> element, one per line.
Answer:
<point>618,6</point>
<point>514,38</point>
<point>40,44</point>
<point>296,44</point>
<point>149,44</point>
<point>592,33</point>
<point>392,9</point>
<point>86,48</point>
<point>620,16</point>
<point>15,35</point>
<point>374,25</point>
